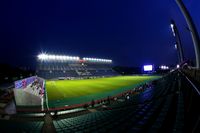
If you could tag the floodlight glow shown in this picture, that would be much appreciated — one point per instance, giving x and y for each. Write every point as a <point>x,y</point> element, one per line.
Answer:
<point>175,46</point>
<point>172,27</point>
<point>47,57</point>
<point>42,56</point>
<point>177,66</point>
<point>148,67</point>
<point>97,60</point>
<point>163,67</point>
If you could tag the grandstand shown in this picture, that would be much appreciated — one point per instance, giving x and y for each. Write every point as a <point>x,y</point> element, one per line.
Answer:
<point>67,67</point>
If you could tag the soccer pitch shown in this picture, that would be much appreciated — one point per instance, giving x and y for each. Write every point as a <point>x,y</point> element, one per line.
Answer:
<point>68,92</point>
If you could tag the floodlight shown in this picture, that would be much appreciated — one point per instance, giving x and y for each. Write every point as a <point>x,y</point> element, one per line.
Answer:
<point>163,67</point>
<point>59,57</point>
<point>65,57</point>
<point>52,57</point>
<point>175,46</point>
<point>172,27</point>
<point>42,56</point>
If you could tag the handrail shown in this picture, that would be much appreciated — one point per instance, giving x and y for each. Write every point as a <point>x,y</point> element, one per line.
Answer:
<point>193,85</point>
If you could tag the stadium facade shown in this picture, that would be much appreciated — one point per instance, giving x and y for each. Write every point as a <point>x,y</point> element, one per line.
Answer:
<point>67,67</point>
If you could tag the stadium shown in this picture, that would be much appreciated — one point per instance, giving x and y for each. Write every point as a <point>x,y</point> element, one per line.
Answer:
<point>99,67</point>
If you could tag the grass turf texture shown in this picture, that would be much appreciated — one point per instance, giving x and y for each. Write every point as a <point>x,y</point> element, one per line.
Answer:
<point>68,92</point>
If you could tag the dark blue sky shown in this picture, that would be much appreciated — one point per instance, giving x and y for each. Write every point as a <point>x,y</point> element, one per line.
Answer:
<point>131,32</point>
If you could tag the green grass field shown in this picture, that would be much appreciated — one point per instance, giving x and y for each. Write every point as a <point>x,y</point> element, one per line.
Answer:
<point>68,92</point>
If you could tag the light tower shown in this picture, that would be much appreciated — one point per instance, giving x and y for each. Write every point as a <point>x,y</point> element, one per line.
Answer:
<point>193,30</point>
<point>178,41</point>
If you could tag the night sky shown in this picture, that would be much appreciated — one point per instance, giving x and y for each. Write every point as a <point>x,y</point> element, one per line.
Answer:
<point>130,32</point>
